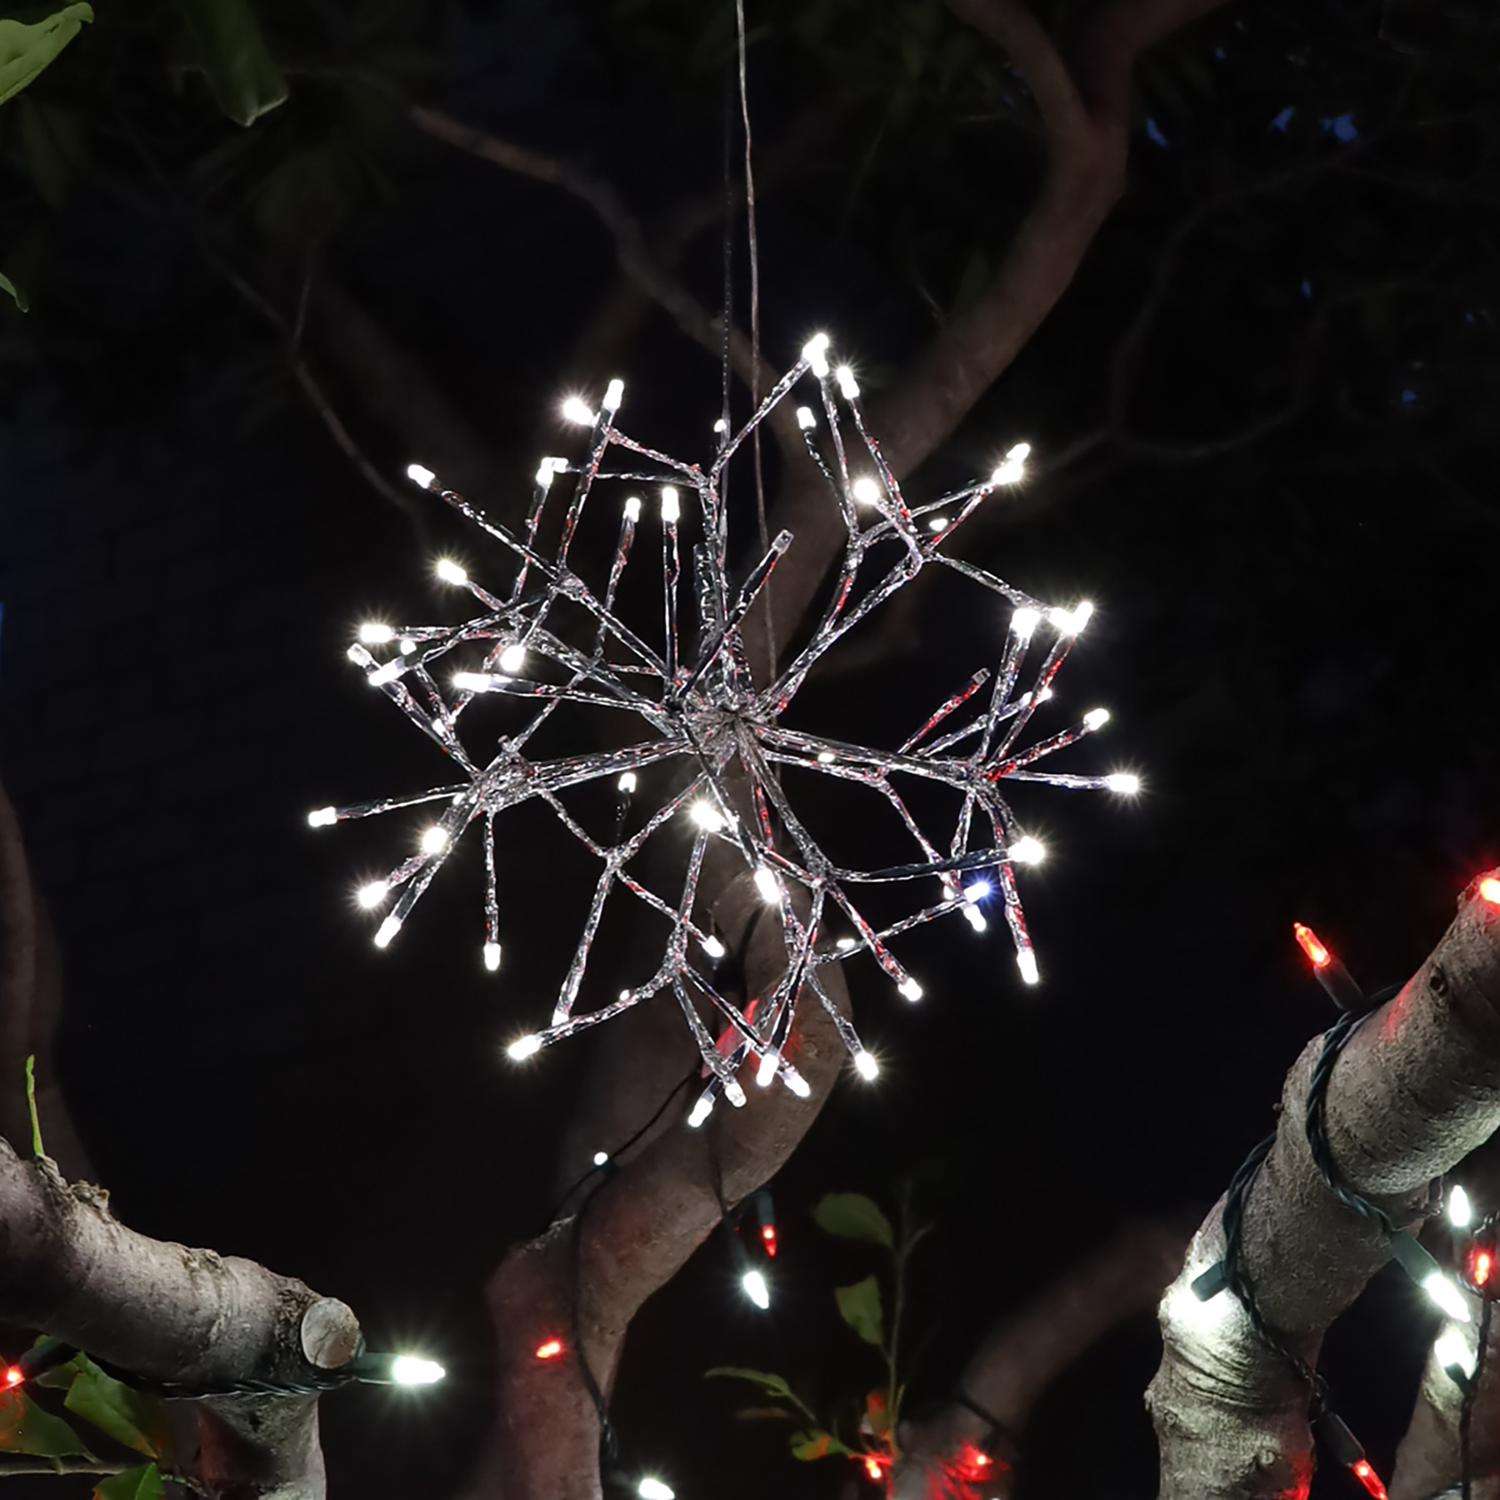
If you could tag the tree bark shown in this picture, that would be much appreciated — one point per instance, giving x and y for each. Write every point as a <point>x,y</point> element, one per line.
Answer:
<point>1415,1090</point>
<point>169,1313</point>
<point>1023,1354</point>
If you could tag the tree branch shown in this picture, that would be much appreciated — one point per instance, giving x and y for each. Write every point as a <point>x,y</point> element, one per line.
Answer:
<point>593,1272</point>
<point>631,248</point>
<point>166,1312</point>
<point>1086,117</point>
<point>1023,1354</point>
<point>1415,1090</point>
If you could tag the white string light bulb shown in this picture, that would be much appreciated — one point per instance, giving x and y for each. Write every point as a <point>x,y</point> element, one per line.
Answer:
<point>1454,1352</point>
<point>372,894</point>
<point>652,1488</point>
<point>707,736</point>
<point>1445,1295</point>
<point>757,1288</point>
<point>412,1369</point>
<point>1460,1209</point>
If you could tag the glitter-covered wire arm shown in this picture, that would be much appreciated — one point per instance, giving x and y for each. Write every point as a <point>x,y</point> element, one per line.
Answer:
<point>707,727</point>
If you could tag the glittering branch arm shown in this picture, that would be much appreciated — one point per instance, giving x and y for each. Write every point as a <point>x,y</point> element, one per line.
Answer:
<point>1416,1089</point>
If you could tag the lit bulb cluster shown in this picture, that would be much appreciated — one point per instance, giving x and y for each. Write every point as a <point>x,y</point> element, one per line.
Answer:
<point>549,641</point>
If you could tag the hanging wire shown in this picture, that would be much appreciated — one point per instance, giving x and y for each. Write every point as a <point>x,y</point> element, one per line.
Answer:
<point>753,247</point>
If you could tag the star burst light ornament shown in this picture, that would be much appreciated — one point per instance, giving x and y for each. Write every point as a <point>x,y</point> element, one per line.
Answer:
<point>695,708</point>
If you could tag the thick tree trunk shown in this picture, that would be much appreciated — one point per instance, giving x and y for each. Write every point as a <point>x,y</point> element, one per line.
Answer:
<point>1415,1090</point>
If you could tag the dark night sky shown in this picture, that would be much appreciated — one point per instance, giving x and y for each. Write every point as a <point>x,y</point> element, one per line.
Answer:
<point>1294,639</point>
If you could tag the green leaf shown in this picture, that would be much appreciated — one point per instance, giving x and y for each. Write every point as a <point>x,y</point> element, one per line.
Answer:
<point>7,285</point>
<point>137,1421</point>
<point>144,1483</point>
<point>815,1443</point>
<point>763,1378</point>
<point>36,1124</point>
<point>241,73</point>
<point>26,50</point>
<point>811,1446</point>
<point>859,1307</point>
<point>26,1428</point>
<point>852,1216</point>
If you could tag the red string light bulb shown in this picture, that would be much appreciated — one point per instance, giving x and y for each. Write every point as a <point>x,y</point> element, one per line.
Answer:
<point>1364,1471</point>
<point>14,1375</point>
<point>550,1349</point>
<point>1489,889</point>
<point>1307,940</point>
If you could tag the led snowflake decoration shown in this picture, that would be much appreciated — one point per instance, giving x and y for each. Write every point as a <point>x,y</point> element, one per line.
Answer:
<point>704,711</point>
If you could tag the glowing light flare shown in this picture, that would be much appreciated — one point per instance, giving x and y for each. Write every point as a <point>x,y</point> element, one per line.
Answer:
<point>1445,1296</point>
<point>1481,1266</point>
<point>434,839</point>
<point>1307,940</point>
<point>707,816</point>
<point>449,571</point>
<point>1124,782</point>
<point>815,352</point>
<point>375,633</point>
<point>652,1488</point>
<point>577,411</point>
<point>524,1047</point>
<point>848,385</point>
<point>1363,1471</point>
<point>513,658</point>
<point>1453,1351</point>
<point>757,1289</point>
<point>14,1375</point>
<point>372,894</point>
<point>865,491</point>
<point>866,1066</point>
<point>549,1349</point>
<point>1027,851</point>
<point>1489,889</point>
<point>412,1369</point>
